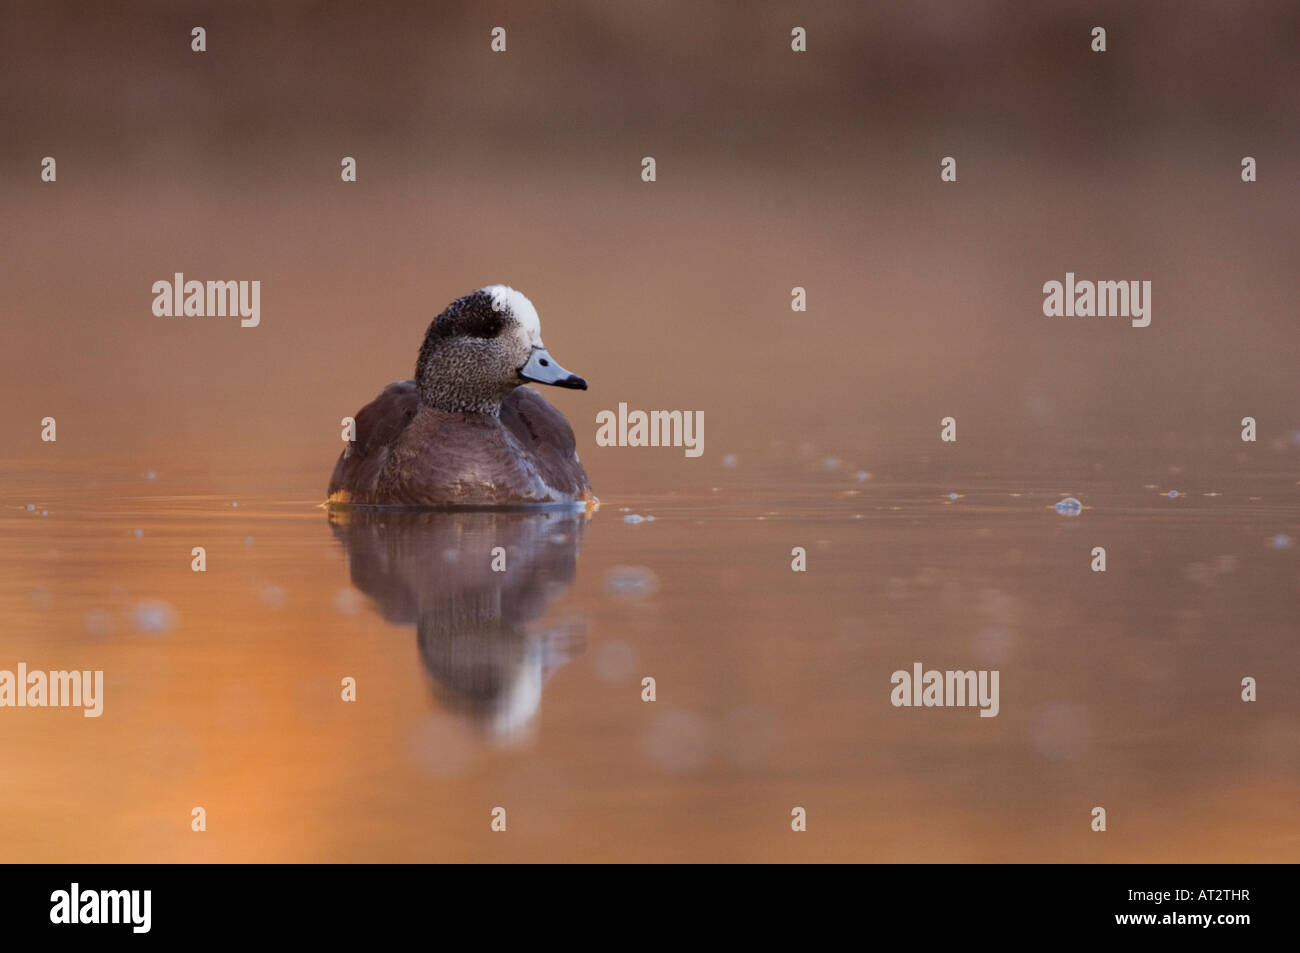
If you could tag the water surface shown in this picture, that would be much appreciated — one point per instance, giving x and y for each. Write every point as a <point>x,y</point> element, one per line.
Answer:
<point>522,689</point>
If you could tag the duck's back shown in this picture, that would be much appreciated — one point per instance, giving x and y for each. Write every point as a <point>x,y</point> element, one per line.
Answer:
<point>408,454</point>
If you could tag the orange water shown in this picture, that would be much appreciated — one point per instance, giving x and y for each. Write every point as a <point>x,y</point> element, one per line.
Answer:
<point>478,689</point>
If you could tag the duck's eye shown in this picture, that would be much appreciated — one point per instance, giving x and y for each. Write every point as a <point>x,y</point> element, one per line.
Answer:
<point>544,362</point>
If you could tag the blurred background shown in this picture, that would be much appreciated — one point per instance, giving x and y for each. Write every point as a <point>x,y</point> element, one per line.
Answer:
<point>774,170</point>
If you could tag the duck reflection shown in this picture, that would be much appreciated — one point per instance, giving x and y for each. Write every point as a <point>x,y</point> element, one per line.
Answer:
<point>440,571</point>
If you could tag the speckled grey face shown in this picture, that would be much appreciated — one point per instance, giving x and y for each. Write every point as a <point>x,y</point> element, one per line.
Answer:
<point>482,347</point>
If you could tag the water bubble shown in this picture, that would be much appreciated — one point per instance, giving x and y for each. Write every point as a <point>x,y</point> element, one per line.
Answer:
<point>633,518</point>
<point>153,616</point>
<point>1069,507</point>
<point>953,496</point>
<point>45,512</point>
<point>1173,494</point>
<point>274,596</point>
<point>730,461</point>
<point>234,504</point>
<point>634,581</point>
<point>151,475</point>
<point>138,533</point>
<point>1280,541</point>
<point>831,463</point>
<point>31,507</point>
<point>863,476</point>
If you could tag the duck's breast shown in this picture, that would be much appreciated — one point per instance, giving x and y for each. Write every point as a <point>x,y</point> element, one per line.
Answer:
<point>547,440</point>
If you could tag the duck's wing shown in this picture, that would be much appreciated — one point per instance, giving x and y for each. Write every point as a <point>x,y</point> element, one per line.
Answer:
<point>380,425</point>
<point>548,438</point>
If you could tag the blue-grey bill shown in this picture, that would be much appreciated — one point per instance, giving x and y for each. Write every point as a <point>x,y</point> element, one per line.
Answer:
<point>544,369</point>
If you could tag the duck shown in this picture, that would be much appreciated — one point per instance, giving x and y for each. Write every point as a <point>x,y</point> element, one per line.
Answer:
<point>466,432</point>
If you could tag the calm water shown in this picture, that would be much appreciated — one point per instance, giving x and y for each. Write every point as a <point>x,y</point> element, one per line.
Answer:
<point>477,689</point>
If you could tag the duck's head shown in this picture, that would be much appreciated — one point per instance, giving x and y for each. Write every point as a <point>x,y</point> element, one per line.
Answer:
<point>482,347</point>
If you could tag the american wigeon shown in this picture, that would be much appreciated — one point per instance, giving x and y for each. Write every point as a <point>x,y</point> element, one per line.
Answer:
<point>464,432</point>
